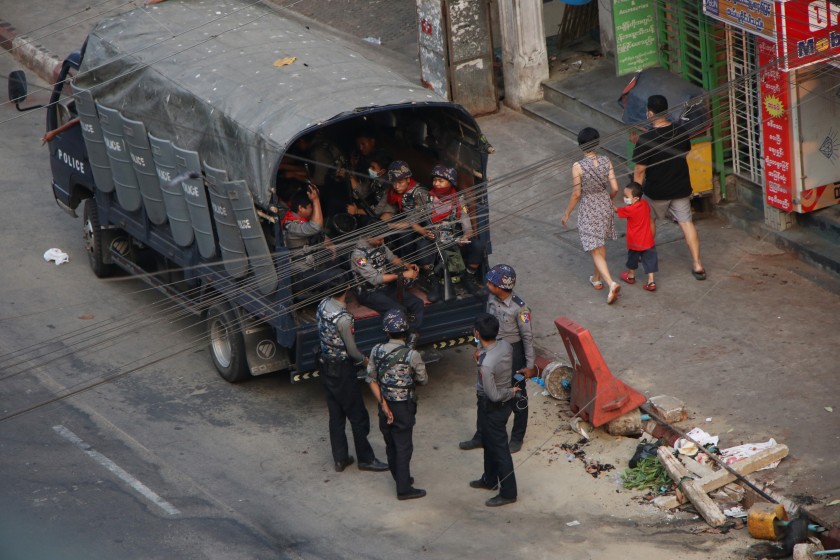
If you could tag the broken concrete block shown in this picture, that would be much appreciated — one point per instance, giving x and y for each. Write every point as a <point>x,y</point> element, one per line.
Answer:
<point>629,424</point>
<point>671,409</point>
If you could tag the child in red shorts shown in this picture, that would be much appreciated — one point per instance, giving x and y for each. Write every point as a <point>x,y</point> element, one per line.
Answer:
<point>640,244</point>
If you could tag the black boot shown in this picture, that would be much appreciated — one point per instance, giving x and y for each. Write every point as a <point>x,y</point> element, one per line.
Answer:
<point>468,281</point>
<point>429,283</point>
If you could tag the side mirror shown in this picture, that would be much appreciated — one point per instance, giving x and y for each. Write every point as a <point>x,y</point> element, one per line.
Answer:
<point>18,90</point>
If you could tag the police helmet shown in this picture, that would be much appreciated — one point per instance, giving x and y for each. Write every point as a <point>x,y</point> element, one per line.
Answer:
<point>502,276</point>
<point>445,172</point>
<point>398,170</point>
<point>395,321</point>
<point>343,223</point>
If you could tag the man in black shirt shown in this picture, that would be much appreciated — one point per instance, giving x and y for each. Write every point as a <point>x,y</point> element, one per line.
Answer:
<point>662,169</point>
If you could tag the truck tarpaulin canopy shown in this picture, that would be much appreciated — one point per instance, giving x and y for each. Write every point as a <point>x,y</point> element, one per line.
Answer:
<point>235,81</point>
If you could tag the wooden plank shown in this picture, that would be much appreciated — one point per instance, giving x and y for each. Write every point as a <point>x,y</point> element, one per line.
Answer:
<point>723,477</point>
<point>698,497</point>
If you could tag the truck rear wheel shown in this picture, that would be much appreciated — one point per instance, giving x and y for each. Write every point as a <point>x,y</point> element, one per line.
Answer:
<point>93,241</point>
<point>227,345</point>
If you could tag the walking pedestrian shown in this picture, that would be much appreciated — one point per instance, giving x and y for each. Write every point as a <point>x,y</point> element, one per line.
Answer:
<point>339,359</point>
<point>393,373</point>
<point>640,245</point>
<point>495,392</point>
<point>594,186</point>
<point>662,170</point>
<point>514,317</point>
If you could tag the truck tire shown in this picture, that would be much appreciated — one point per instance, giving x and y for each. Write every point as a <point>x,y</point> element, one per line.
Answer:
<point>227,346</point>
<point>93,241</point>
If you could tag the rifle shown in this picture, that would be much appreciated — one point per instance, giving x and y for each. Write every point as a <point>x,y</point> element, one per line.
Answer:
<point>400,296</point>
<point>448,288</point>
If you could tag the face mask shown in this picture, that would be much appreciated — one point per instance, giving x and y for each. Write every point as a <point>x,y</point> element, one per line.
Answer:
<point>373,173</point>
<point>628,201</point>
<point>477,342</point>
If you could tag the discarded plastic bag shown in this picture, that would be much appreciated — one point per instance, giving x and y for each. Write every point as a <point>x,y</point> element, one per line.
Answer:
<point>56,255</point>
<point>644,449</point>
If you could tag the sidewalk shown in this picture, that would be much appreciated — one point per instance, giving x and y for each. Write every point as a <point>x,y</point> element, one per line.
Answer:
<point>752,349</point>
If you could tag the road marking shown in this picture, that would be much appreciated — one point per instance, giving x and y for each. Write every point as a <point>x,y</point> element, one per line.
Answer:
<point>144,490</point>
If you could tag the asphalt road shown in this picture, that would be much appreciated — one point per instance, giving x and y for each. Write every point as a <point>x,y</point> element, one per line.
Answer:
<point>170,461</point>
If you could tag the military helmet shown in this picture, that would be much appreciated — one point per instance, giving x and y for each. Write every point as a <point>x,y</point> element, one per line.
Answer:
<point>502,276</point>
<point>343,223</point>
<point>395,321</point>
<point>445,172</point>
<point>398,170</point>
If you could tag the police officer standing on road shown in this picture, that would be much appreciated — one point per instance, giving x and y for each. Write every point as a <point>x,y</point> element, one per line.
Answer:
<point>339,359</point>
<point>514,318</point>
<point>393,372</point>
<point>495,394</point>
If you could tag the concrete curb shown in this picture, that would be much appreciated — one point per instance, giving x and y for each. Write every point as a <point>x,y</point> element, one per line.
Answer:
<point>31,55</point>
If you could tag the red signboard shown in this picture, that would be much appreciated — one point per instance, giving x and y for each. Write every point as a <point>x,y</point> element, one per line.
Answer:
<point>776,129</point>
<point>807,32</point>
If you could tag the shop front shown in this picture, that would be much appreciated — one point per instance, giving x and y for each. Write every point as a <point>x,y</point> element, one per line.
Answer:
<point>784,98</point>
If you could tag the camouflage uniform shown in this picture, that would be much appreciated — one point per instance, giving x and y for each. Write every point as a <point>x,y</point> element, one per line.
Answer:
<point>370,264</point>
<point>338,353</point>
<point>397,369</point>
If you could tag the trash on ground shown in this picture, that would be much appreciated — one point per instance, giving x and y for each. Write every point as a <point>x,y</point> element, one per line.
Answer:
<point>702,437</point>
<point>737,512</point>
<point>829,409</point>
<point>685,447</point>
<point>56,255</point>
<point>373,40</point>
<point>581,427</point>
<point>643,449</point>
<point>595,468</point>
<point>740,452</point>
<point>648,472</point>
<point>280,62</point>
<point>574,523</point>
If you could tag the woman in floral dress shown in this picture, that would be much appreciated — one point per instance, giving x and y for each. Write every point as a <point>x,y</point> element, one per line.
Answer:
<point>594,184</point>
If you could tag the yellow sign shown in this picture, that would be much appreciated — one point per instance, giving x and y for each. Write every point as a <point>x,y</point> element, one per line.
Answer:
<point>753,16</point>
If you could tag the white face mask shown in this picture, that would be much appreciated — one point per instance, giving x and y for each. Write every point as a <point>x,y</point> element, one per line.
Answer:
<point>628,201</point>
<point>373,173</point>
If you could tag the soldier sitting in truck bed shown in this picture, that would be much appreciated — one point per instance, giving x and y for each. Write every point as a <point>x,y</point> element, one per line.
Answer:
<point>313,265</point>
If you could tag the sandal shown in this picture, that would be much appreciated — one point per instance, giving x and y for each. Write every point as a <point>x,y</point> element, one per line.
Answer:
<point>597,284</point>
<point>615,287</point>
<point>650,286</point>
<point>699,274</point>
<point>627,278</point>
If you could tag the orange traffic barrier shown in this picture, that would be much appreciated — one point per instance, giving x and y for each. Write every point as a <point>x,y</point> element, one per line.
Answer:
<point>597,395</point>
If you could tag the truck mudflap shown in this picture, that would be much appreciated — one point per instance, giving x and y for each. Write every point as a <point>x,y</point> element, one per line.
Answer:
<point>195,196</point>
<point>144,168</point>
<point>125,181</point>
<point>263,353</point>
<point>252,235</point>
<point>173,195</point>
<point>100,165</point>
